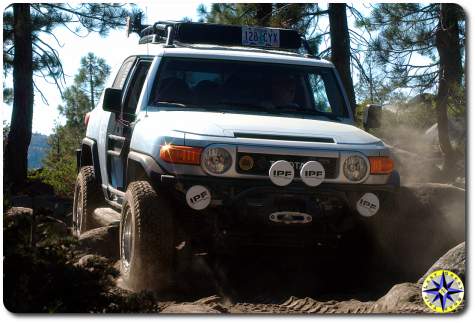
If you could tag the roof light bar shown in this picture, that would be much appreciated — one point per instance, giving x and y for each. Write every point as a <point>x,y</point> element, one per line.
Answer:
<point>224,35</point>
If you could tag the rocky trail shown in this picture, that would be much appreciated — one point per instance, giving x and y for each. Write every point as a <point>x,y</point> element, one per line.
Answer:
<point>428,222</point>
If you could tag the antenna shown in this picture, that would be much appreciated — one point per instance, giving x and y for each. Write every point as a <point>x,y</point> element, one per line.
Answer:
<point>146,15</point>
<point>146,105</point>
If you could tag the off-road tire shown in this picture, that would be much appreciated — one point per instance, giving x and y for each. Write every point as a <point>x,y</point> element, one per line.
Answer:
<point>149,264</point>
<point>87,197</point>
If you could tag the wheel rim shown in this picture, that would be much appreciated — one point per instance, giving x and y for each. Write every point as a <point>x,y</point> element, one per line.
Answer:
<point>77,215</point>
<point>127,240</point>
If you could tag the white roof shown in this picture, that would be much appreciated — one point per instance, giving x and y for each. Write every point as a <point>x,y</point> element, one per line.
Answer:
<point>233,53</point>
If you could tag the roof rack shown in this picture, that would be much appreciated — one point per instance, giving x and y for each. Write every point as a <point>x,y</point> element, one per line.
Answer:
<point>169,32</point>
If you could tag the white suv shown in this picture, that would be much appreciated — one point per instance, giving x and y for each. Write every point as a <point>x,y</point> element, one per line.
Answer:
<point>215,136</point>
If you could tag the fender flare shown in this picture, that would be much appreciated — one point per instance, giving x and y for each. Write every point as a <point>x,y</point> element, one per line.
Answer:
<point>142,167</point>
<point>89,156</point>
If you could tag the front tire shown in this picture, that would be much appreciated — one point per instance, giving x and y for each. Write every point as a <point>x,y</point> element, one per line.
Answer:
<point>87,197</point>
<point>146,239</point>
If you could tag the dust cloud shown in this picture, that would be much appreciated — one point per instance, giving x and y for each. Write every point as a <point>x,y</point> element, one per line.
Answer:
<point>428,213</point>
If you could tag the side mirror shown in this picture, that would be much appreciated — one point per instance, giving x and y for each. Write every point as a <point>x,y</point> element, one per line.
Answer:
<point>112,100</point>
<point>372,116</point>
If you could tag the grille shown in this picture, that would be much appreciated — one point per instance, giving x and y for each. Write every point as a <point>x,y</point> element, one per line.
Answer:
<point>262,163</point>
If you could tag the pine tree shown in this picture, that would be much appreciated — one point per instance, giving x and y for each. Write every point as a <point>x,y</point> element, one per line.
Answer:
<point>60,162</point>
<point>435,32</point>
<point>91,77</point>
<point>25,52</point>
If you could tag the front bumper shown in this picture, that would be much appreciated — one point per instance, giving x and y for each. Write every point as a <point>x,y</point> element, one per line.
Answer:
<point>233,192</point>
<point>244,207</point>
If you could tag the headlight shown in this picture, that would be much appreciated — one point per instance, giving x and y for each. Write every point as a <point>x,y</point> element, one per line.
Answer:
<point>216,160</point>
<point>355,168</point>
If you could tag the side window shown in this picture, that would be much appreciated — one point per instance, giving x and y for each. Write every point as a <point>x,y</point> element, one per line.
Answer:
<point>121,76</point>
<point>135,89</point>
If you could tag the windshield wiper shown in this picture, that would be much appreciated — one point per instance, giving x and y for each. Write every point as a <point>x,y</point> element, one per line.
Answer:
<point>247,107</point>
<point>306,112</point>
<point>175,104</point>
<point>329,116</point>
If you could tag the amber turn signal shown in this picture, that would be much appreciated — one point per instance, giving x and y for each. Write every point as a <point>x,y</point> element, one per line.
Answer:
<point>181,154</point>
<point>381,165</point>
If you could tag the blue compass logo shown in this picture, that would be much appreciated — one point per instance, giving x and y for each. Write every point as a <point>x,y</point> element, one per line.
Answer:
<point>443,291</point>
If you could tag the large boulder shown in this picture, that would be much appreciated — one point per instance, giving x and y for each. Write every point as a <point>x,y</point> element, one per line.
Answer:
<point>92,262</point>
<point>103,241</point>
<point>416,167</point>
<point>105,216</point>
<point>208,305</point>
<point>453,260</point>
<point>426,221</point>
<point>401,298</point>
<point>16,212</point>
<point>185,308</point>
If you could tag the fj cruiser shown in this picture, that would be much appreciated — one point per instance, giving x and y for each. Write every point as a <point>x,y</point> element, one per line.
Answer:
<point>220,136</point>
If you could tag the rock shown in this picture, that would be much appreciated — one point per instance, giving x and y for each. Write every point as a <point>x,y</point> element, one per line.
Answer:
<point>405,297</point>
<point>19,212</point>
<point>106,216</point>
<point>416,167</point>
<point>453,260</point>
<point>53,226</point>
<point>427,220</point>
<point>46,204</point>
<point>103,241</point>
<point>189,309</point>
<point>91,261</point>
<point>213,302</point>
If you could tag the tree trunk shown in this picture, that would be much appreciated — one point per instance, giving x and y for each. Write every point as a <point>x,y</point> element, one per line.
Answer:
<point>16,161</point>
<point>340,46</point>
<point>91,84</point>
<point>450,76</point>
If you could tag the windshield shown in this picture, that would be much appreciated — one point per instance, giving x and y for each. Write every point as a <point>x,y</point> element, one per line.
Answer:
<point>244,86</point>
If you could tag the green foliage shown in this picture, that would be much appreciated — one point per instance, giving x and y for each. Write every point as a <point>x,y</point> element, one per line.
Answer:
<point>6,130</point>
<point>92,76</point>
<point>406,31</point>
<point>75,106</point>
<point>7,95</point>
<point>80,19</point>
<point>60,163</point>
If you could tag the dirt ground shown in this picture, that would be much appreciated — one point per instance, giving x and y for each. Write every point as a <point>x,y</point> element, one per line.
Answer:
<point>427,222</point>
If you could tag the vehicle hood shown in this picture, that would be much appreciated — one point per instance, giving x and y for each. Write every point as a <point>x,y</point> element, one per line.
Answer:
<point>222,124</point>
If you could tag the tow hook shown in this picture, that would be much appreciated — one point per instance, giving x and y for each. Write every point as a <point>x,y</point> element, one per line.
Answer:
<point>288,217</point>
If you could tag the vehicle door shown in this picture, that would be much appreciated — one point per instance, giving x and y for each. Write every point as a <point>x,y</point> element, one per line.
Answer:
<point>121,127</point>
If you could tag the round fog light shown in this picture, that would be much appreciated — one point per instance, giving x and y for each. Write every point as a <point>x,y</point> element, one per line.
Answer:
<point>368,205</point>
<point>246,163</point>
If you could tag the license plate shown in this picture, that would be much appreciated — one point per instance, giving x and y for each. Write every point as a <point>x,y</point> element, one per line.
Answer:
<point>262,37</point>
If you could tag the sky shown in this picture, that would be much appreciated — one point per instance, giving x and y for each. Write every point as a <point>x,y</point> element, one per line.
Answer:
<point>114,49</point>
